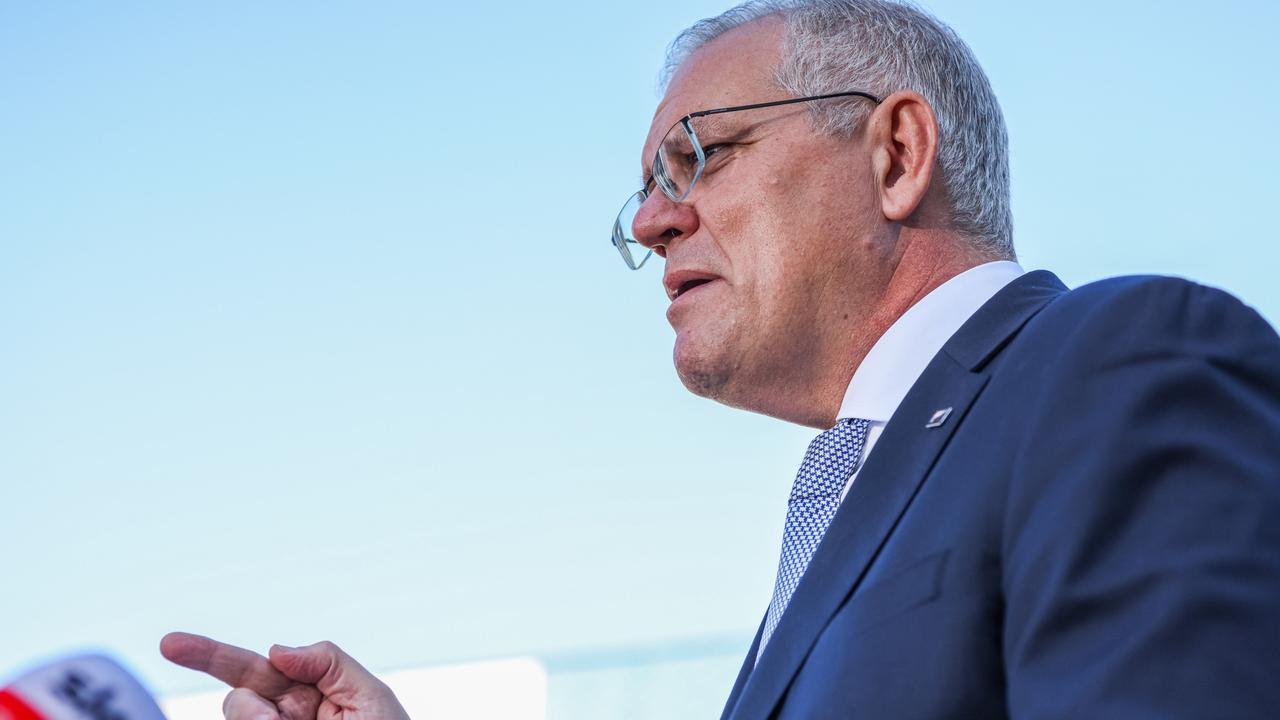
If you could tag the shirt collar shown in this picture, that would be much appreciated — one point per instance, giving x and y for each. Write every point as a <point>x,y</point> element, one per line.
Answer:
<point>899,357</point>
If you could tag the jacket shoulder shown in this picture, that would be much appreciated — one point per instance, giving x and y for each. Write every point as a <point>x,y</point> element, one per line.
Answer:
<point>1150,315</point>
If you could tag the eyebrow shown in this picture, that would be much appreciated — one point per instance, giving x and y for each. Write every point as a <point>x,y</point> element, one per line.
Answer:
<point>722,132</point>
<point>714,113</point>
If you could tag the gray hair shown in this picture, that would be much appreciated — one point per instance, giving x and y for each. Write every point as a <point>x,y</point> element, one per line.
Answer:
<point>882,46</point>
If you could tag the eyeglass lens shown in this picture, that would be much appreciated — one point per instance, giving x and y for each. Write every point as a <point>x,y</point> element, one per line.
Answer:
<point>679,161</point>
<point>633,253</point>
<point>676,167</point>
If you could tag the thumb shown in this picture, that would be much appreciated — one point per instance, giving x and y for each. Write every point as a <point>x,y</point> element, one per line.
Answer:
<point>327,667</point>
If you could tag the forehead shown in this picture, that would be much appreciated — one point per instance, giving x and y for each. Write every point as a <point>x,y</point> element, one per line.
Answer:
<point>734,69</point>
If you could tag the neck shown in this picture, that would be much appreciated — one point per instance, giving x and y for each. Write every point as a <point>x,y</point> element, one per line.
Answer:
<point>928,258</point>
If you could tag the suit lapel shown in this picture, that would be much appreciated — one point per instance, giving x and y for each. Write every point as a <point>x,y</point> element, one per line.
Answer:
<point>889,479</point>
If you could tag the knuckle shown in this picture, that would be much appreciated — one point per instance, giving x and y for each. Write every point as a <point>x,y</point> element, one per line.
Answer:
<point>244,704</point>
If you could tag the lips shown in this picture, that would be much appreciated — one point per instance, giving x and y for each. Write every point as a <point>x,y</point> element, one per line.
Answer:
<point>679,282</point>
<point>689,286</point>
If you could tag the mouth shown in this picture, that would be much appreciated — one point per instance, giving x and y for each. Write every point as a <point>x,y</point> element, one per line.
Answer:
<point>689,285</point>
<point>684,293</point>
<point>679,283</point>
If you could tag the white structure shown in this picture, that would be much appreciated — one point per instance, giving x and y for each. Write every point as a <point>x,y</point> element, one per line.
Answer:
<point>509,689</point>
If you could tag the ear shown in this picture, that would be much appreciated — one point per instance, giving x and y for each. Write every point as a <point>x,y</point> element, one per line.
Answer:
<point>904,137</point>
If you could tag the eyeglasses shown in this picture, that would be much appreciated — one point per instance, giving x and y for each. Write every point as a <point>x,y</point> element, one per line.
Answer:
<point>678,163</point>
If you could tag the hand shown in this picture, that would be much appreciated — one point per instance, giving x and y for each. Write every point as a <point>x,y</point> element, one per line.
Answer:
<point>317,682</point>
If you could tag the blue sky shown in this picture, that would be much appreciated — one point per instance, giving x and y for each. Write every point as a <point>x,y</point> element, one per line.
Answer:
<point>311,328</point>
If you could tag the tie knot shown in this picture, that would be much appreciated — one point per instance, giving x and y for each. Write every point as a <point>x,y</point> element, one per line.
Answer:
<point>831,459</point>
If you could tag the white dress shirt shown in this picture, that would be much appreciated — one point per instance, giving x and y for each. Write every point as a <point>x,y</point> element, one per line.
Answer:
<point>899,357</point>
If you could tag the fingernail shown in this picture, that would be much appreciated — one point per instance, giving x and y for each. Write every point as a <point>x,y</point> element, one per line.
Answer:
<point>284,648</point>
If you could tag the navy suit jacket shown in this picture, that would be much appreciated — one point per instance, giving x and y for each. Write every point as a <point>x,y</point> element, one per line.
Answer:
<point>1093,532</point>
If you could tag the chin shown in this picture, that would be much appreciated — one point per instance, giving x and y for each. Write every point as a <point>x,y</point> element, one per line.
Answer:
<point>702,368</point>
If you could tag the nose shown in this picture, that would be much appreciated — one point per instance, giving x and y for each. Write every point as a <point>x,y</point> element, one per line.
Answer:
<point>659,221</point>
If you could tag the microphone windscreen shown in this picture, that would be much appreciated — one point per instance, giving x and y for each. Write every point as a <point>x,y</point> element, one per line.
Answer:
<point>86,687</point>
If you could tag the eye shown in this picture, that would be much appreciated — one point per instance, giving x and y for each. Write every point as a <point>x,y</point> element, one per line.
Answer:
<point>707,151</point>
<point>713,149</point>
<point>717,155</point>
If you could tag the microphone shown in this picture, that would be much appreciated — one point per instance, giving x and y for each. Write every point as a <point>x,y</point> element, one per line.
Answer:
<point>85,687</point>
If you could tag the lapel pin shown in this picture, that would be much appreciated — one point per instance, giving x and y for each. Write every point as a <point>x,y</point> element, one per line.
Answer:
<point>938,417</point>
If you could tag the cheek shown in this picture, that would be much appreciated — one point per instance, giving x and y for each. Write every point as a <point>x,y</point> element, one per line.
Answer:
<point>787,219</point>
<point>752,239</point>
<point>730,223</point>
<point>752,222</point>
<point>764,240</point>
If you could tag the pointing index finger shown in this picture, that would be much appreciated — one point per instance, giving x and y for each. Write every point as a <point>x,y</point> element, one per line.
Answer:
<point>234,666</point>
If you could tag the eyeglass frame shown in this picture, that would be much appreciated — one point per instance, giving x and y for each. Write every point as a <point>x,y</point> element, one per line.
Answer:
<point>655,177</point>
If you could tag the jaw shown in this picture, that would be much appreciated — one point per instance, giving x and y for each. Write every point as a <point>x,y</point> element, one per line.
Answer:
<point>780,382</point>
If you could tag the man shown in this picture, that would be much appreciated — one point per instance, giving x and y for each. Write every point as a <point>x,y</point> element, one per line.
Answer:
<point>1027,501</point>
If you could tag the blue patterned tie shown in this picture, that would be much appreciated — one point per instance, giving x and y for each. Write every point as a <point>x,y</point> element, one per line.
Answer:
<point>831,459</point>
